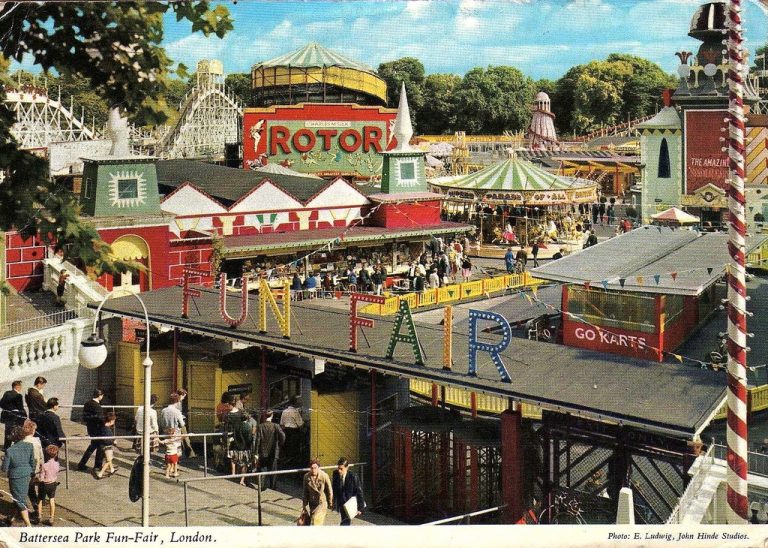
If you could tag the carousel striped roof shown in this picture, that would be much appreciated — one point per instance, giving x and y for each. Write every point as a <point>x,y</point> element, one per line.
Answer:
<point>512,175</point>
<point>314,55</point>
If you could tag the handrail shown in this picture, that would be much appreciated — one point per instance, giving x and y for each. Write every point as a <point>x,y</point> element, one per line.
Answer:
<point>258,475</point>
<point>693,487</point>
<point>469,515</point>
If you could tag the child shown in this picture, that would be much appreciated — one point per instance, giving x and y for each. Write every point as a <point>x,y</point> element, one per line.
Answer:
<point>172,448</point>
<point>107,445</point>
<point>46,486</point>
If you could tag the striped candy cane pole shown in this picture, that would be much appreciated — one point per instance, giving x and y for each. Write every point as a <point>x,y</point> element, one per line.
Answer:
<point>737,511</point>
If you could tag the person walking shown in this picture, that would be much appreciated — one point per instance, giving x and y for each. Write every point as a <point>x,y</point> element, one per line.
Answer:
<point>509,261</point>
<point>269,439</point>
<point>19,465</point>
<point>47,481</point>
<point>185,441</point>
<point>13,413</point>
<point>107,446</point>
<point>292,424</point>
<point>94,420</point>
<point>172,448</point>
<point>35,399</point>
<point>154,428</point>
<point>591,240</point>
<point>242,444</point>
<point>28,430</point>
<point>49,427</point>
<point>521,259</point>
<point>345,487</point>
<point>318,493</point>
<point>535,253</point>
<point>466,269</point>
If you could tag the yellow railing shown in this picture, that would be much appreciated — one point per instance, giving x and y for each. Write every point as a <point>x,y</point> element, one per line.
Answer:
<point>462,398</point>
<point>452,293</point>
<point>757,398</point>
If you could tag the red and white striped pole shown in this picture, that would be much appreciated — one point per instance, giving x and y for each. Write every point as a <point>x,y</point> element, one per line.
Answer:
<point>737,511</point>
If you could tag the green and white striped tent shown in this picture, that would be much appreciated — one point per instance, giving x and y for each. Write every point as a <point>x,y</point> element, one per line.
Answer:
<point>515,181</point>
<point>314,55</point>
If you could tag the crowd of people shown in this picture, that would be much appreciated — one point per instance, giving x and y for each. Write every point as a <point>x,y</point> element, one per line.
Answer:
<point>33,437</point>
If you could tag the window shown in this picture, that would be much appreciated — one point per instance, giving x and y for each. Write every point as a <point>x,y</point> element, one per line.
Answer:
<point>407,171</point>
<point>88,188</point>
<point>664,168</point>
<point>127,189</point>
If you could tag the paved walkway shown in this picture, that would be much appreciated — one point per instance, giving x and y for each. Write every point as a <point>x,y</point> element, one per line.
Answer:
<point>93,502</point>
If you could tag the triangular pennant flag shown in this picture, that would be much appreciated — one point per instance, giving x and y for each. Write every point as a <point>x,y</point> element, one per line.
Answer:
<point>639,280</point>
<point>622,281</point>
<point>528,298</point>
<point>709,270</point>
<point>534,290</point>
<point>674,276</point>
<point>678,357</point>
<point>605,284</point>
<point>656,278</point>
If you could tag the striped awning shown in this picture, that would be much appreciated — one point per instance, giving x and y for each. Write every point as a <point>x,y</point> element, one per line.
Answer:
<point>516,180</point>
<point>314,55</point>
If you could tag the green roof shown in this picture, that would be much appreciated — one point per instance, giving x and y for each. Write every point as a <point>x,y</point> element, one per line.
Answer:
<point>314,55</point>
<point>511,175</point>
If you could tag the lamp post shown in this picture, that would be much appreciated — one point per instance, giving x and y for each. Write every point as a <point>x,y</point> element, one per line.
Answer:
<point>93,353</point>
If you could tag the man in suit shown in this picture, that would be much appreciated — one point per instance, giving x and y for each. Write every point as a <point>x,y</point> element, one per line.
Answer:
<point>269,439</point>
<point>49,427</point>
<point>345,486</point>
<point>35,399</point>
<point>13,413</point>
<point>94,420</point>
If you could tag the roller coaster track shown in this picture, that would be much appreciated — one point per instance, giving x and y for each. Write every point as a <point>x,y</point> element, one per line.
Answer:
<point>624,129</point>
<point>41,120</point>
<point>209,118</point>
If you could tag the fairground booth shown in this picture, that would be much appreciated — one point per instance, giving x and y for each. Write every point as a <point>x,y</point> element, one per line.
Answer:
<point>644,292</point>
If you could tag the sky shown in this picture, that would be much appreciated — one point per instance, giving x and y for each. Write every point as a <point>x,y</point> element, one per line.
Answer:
<point>542,38</point>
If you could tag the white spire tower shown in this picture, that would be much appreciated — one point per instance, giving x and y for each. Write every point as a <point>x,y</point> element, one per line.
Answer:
<point>403,130</point>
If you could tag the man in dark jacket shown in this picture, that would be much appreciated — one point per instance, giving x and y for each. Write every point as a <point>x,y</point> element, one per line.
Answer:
<point>13,413</point>
<point>345,486</point>
<point>35,399</point>
<point>269,439</point>
<point>49,427</point>
<point>94,421</point>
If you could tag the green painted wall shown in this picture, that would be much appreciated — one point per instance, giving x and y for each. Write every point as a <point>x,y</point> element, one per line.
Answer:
<point>661,192</point>
<point>403,172</point>
<point>119,187</point>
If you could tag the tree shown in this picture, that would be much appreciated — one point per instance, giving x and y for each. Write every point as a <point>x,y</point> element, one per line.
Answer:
<point>493,100</point>
<point>410,71</point>
<point>114,46</point>
<point>437,114</point>
<point>239,83</point>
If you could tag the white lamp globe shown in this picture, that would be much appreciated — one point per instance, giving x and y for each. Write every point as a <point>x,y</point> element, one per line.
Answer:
<point>93,352</point>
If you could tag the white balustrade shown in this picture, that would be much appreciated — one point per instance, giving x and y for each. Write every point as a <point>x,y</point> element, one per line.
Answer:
<point>80,289</point>
<point>37,352</point>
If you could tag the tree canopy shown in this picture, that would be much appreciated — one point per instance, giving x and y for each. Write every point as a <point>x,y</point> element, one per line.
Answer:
<point>115,49</point>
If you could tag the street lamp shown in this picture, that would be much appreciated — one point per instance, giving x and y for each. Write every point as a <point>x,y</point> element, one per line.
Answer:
<point>93,353</point>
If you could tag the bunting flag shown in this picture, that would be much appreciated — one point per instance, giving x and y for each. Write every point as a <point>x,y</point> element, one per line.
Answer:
<point>678,357</point>
<point>639,280</point>
<point>605,284</point>
<point>709,270</point>
<point>622,281</point>
<point>656,278</point>
<point>534,290</point>
<point>674,276</point>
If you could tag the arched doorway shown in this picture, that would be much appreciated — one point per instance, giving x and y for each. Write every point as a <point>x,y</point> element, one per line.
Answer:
<point>131,248</point>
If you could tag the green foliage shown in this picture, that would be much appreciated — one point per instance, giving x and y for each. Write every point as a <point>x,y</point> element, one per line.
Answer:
<point>608,92</point>
<point>437,115</point>
<point>113,50</point>
<point>239,83</point>
<point>494,100</point>
<point>410,71</point>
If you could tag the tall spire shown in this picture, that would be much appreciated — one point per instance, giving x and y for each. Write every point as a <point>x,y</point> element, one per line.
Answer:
<point>403,129</point>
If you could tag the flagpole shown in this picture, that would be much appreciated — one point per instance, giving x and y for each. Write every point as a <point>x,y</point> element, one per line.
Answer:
<point>737,507</point>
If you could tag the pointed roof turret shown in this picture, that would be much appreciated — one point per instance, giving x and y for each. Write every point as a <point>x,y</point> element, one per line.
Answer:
<point>403,130</point>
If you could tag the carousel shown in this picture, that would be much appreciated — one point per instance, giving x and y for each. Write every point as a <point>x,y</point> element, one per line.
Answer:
<point>516,197</point>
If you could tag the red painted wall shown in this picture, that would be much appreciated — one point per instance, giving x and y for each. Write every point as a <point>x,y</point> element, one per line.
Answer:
<point>675,333</point>
<point>24,262</point>
<point>611,340</point>
<point>405,215</point>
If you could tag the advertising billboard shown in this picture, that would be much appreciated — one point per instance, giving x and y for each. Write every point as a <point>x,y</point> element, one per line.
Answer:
<point>323,139</point>
<point>705,161</point>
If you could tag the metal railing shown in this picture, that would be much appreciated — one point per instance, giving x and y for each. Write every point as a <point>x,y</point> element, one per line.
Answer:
<point>757,462</point>
<point>258,476</point>
<point>43,321</point>
<point>205,437</point>
<point>468,516</point>
<point>692,491</point>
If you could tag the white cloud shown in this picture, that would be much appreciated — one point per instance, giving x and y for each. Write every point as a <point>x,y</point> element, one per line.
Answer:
<point>416,8</point>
